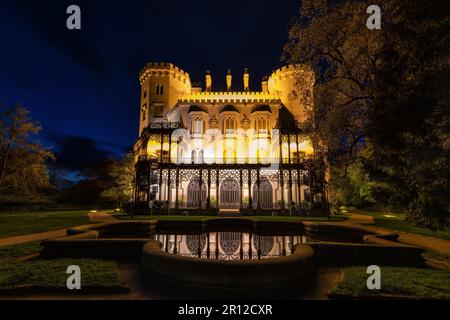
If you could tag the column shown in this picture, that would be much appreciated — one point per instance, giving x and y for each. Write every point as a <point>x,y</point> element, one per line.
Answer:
<point>310,185</point>
<point>177,186</point>
<point>170,148</point>
<point>208,199</point>
<point>241,189</point>
<point>289,148</point>
<point>282,189</point>
<point>290,190</point>
<point>217,188</point>
<point>250,200</point>
<point>258,181</point>
<point>161,153</point>
<point>200,185</point>
<point>160,184</point>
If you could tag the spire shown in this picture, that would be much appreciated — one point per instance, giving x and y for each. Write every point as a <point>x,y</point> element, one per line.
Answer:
<point>265,85</point>
<point>208,81</point>
<point>246,80</point>
<point>229,79</point>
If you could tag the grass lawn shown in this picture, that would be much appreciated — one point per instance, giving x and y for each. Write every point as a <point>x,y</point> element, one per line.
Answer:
<point>409,282</point>
<point>20,223</point>
<point>20,250</point>
<point>437,256</point>
<point>396,221</point>
<point>196,218</point>
<point>49,276</point>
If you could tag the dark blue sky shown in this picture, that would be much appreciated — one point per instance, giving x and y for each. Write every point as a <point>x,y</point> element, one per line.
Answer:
<point>84,84</point>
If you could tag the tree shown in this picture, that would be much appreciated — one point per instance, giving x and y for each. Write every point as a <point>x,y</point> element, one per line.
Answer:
<point>121,177</point>
<point>408,125</point>
<point>333,40</point>
<point>23,170</point>
<point>383,92</point>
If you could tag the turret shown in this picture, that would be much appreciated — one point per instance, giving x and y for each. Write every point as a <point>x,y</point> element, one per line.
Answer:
<point>264,85</point>
<point>162,85</point>
<point>294,84</point>
<point>229,79</point>
<point>246,80</point>
<point>208,81</point>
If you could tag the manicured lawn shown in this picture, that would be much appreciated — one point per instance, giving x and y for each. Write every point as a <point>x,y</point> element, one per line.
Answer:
<point>409,282</point>
<point>196,218</point>
<point>49,276</point>
<point>437,256</point>
<point>20,223</point>
<point>396,221</point>
<point>20,250</point>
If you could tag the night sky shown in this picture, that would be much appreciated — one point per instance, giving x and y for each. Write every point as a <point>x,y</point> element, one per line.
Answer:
<point>82,86</point>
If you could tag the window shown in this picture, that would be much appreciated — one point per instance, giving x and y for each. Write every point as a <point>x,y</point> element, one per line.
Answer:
<point>260,125</point>
<point>159,111</point>
<point>197,126</point>
<point>159,89</point>
<point>144,112</point>
<point>229,125</point>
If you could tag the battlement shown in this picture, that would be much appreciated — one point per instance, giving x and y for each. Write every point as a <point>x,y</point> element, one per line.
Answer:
<point>290,69</point>
<point>163,69</point>
<point>225,97</point>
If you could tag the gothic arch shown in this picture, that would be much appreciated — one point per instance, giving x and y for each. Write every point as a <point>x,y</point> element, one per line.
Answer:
<point>229,194</point>
<point>265,194</point>
<point>195,198</point>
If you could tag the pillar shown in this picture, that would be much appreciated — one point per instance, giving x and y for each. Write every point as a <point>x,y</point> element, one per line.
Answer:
<point>208,199</point>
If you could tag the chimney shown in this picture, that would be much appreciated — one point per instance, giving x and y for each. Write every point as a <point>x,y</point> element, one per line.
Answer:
<point>246,80</point>
<point>229,78</point>
<point>265,85</point>
<point>208,81</point>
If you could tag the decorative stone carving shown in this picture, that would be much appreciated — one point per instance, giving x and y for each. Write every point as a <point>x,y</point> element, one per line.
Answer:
<point>213,123</point>
<point>245,123</point>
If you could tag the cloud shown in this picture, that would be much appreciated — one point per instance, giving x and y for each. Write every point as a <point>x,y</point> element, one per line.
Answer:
<point>75,153</point>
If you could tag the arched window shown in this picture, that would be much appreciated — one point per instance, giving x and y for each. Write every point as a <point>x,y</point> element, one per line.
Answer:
<point>197,125</point>
<point>194,156</point>
<point>229,124</point>
<point>159,89</point>
<point>144,112</point>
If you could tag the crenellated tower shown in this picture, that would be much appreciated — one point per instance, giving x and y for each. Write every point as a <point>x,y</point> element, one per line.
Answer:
<point>294,85</point>
<point>162,85</point>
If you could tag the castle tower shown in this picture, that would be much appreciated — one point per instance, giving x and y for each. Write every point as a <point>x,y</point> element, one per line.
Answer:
<point>162,84</point>
<point>294,84</point>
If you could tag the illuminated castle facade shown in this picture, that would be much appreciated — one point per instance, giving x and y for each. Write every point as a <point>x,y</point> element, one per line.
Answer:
<point>236,150</point>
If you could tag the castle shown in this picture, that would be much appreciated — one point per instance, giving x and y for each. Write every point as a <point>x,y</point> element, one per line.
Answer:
<point>236,150</point>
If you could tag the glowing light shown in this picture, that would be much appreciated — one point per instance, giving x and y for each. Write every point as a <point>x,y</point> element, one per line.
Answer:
<point>306,146</point>
<point>93,211</point>
<point>389,216</point>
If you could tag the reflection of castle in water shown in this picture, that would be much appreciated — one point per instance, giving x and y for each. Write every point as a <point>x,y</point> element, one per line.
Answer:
<point>229,245</point>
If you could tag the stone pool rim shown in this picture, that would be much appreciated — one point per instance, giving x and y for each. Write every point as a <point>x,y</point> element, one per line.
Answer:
<point>376,247</point>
